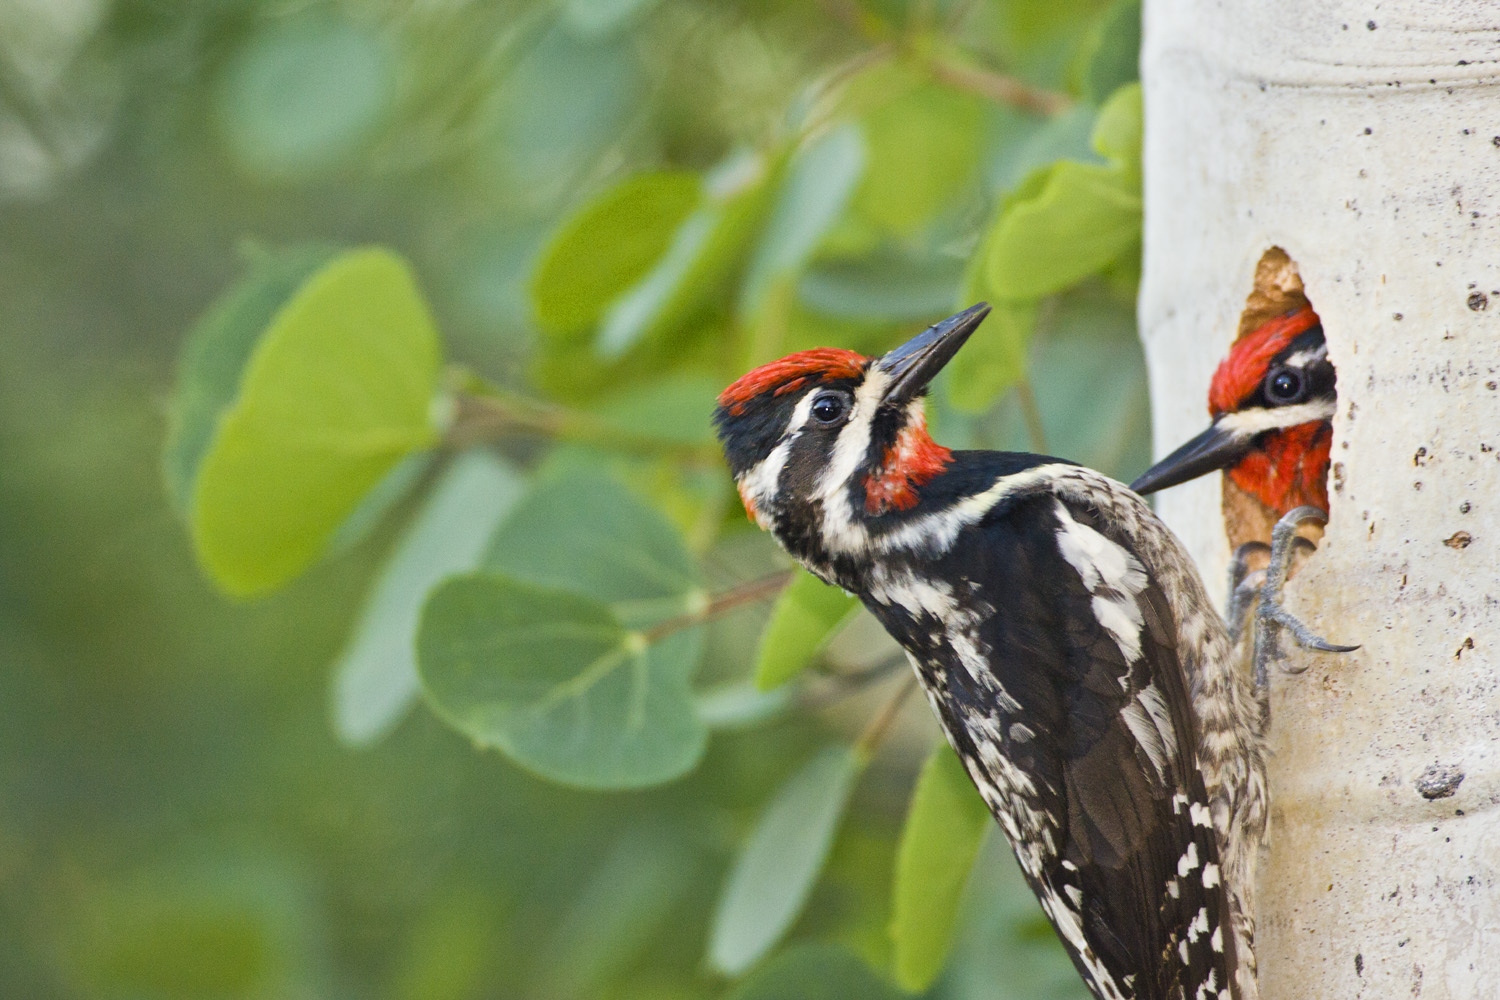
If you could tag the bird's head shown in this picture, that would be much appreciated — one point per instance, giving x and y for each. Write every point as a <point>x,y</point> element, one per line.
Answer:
<point>825,441</point>
<point>1272,401</point>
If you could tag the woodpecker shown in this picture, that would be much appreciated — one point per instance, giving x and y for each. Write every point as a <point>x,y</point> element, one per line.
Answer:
<point>1272,400</point>
<point>1064,641</point>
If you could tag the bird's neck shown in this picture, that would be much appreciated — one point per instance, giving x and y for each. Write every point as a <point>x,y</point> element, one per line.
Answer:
<point>909,463</point>
<point>1289,468</point>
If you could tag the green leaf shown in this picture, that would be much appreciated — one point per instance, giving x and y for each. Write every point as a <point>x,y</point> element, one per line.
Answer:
<point>1088,373</point>
<point>305,96</point>
<point>882,288</point>
<point>806,617</point>
<point>214,356</point>
<point>586,533</point>
<point>776,869</point>
<point>923,147</point>
<point>556,682</point>
<point>742,706</point>
<point>338,390</point>
<point>706,250</point>
<point>375,678</point>
<point>383,496</point>
<point>994,359</point>
<point>1118,131</point>
<point>815,972</point>
<point>607,246</point>
<point>1081,218</point>
<point>1027,144</point>
<point>602,18</point>
<point>945,826</point>
<point>597,704</point>
<point>676,408</point>
<point>819,184</point>
<point>1111,52</point>
<point>623,905</point>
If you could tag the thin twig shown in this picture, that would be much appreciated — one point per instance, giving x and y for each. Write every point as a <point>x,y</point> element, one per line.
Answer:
<point>720,604</point>
<point>1032,413</point>
<point>486,416</point>
<point>869,740</point>
<point>1000,88</point>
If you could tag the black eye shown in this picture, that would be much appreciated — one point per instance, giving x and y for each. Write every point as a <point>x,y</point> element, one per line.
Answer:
<point>1285,385</point>
<point>830,407</point>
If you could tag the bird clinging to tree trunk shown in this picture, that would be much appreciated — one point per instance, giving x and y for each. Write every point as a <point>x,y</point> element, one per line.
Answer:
<point>1064,640</point>
<point>1272,401</point>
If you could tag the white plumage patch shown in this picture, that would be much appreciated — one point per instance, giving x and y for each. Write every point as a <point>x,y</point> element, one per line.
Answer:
<point>933,534</point>
<point>1188,861</point>
<point>758,485</point>
<point>1113,575</point>
<point>1255,420</point>
<point>841,531</point>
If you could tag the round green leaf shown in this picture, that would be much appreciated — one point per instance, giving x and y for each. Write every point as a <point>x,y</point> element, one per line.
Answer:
<point>1081,217</point>
<point>305,96</point>
<point>807,615</point>
<point>338,390</point>
<point>586,533</point>
<point>214,355</point>
<point>607,246</point>
<point>775,871</point>
<point>923,147</point>
<point>945,825</point>
<point>553,680</point>
<point>375,678</point>
<point>815,972</point>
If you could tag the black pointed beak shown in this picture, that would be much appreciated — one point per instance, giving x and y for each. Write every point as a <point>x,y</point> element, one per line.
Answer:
<point>914,364</point>
<point>1218,447</point>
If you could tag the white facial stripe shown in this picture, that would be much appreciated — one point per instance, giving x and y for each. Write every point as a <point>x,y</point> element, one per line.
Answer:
<point>1248,423</point>
<point>1304,358</point>
<point>841,532</point>
<point>854,440</point>
<point>759,483</point>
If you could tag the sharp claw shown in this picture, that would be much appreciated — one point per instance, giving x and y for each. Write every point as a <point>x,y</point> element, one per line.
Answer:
<point>1302,515</point>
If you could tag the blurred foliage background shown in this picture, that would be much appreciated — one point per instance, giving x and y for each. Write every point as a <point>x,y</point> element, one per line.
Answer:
<point>599,212</point>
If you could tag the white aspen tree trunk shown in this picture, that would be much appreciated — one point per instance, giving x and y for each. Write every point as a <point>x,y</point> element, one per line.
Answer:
<point>1364,139</point>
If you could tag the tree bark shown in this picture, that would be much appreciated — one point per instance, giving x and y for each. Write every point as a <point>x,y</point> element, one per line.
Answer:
<point>1364,140</point>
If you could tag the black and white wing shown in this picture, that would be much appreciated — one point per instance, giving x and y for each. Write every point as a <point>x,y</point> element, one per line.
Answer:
<point>1057,680</point>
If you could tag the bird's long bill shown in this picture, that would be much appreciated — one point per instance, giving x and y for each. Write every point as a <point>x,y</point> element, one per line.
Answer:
<point>1218,447</point>
<point>916,363</point>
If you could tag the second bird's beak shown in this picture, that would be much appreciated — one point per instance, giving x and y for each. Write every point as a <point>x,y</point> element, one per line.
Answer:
<point>914,364</point>
<point>1218,447</point>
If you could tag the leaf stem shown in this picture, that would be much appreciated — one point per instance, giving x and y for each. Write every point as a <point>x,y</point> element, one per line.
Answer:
<point>721,603</point>
<point>487,411</point>
<point>874,733</point>
<point>1032,413</point>
<point>999,87</point>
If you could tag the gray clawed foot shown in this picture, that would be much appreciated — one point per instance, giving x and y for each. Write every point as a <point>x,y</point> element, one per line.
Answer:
<point>1270,616</point>
<point>1244,586</point>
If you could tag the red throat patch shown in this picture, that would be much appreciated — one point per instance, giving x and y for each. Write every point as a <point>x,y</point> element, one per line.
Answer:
<point>908,464</point>
<point>1290,469</point>
<point>790,374</point>
<point>1240,373</point>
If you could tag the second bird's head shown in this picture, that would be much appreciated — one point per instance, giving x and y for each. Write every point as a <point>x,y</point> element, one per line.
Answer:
<point>823,440</point>
<point>1272,400</point>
